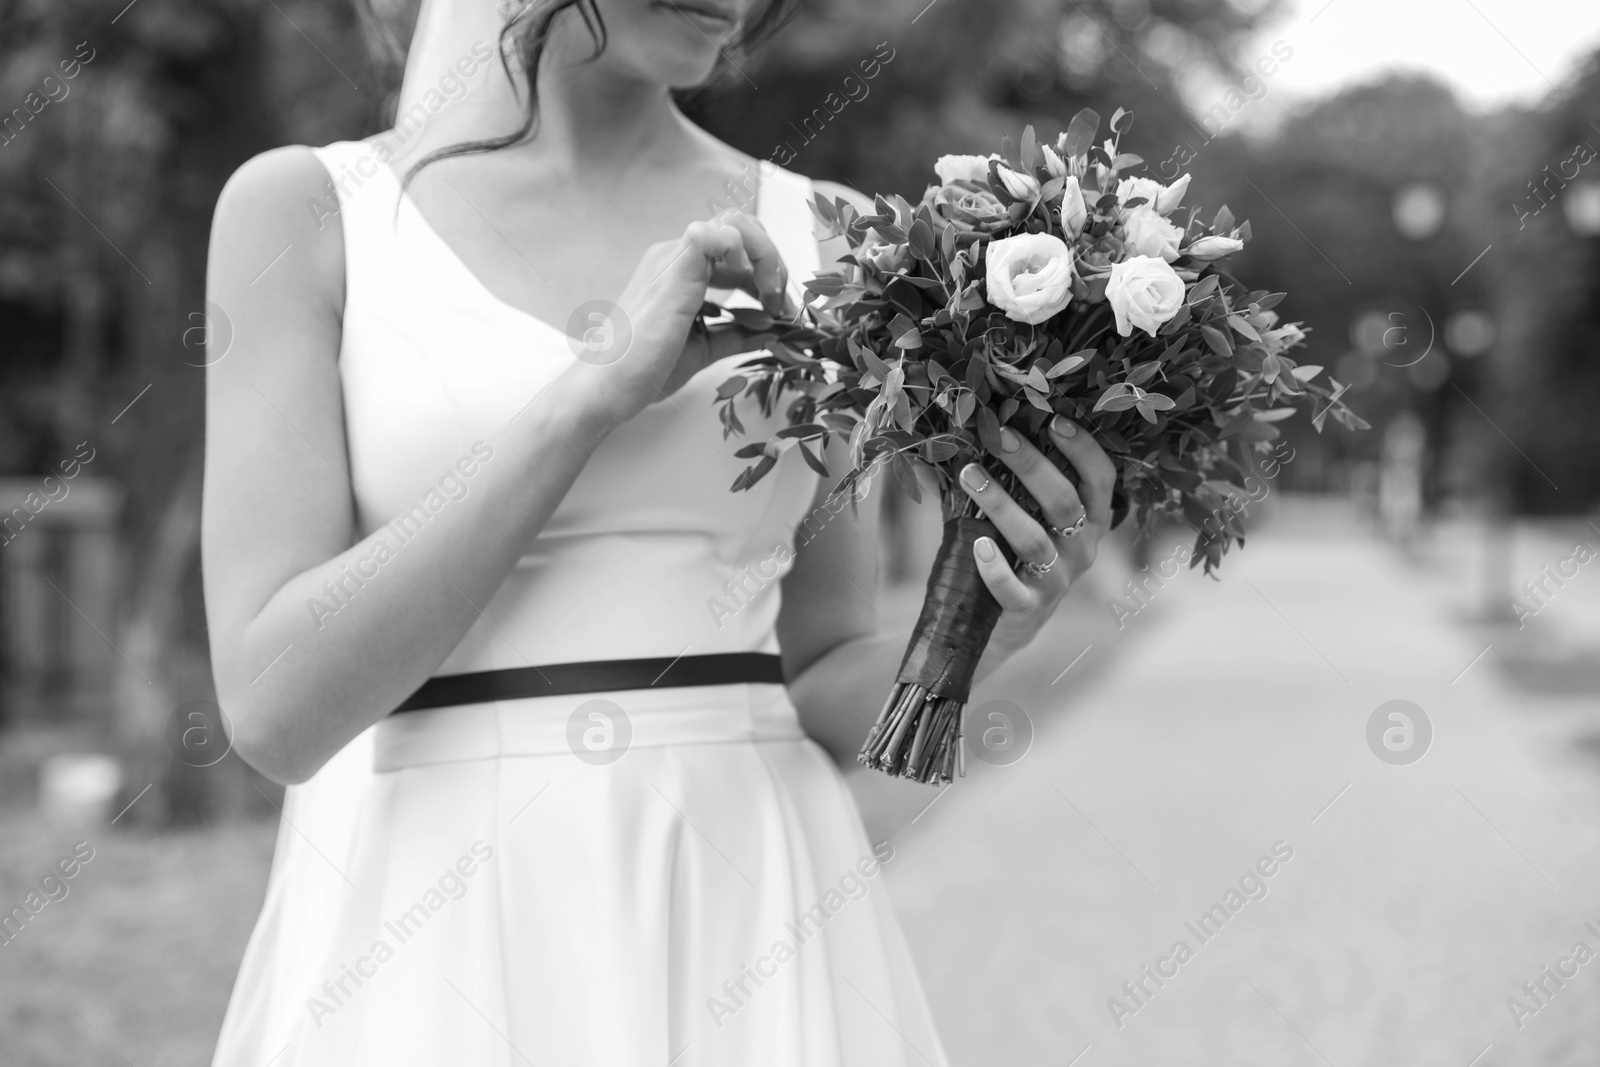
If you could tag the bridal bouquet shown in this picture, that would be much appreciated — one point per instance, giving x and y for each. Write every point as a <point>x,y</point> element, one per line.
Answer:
<point>1020,287</point>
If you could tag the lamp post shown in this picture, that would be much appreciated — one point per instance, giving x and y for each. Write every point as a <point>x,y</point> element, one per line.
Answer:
<point>1581,205</point>
<point>1418,209</point>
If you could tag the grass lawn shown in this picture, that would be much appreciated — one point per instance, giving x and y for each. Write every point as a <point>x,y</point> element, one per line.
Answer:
<point>135,963</point>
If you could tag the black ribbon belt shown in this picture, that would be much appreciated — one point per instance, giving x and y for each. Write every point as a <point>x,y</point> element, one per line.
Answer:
<point>598,676</point>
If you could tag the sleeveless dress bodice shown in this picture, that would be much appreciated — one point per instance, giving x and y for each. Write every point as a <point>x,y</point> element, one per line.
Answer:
<point>431,362</point>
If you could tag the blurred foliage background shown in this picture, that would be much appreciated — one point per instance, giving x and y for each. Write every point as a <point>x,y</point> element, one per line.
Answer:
<point>1387,212</point>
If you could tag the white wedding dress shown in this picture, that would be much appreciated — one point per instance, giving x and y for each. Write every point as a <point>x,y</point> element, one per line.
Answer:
<point>457,886</point>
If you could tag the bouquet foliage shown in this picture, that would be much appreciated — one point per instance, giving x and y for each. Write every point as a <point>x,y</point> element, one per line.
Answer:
<point>1020,287</point>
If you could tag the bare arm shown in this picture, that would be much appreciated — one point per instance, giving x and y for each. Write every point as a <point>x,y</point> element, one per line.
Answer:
<point>278,522</point>
<point>834,657</point>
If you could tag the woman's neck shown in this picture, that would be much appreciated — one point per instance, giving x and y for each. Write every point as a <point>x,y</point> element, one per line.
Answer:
<point>591,119</point>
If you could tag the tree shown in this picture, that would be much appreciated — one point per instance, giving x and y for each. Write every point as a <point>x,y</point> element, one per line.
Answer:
<point>107,195</point>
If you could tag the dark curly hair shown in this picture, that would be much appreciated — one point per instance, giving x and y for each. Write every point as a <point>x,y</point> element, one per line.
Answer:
<point>525,37</point>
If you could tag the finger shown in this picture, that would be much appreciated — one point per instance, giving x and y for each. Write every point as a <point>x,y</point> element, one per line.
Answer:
<point>1019,529</point>
<point>1097,475</point>
<point>1057,497</point>
<point>1001,579</point>
<point>768,271</point>
<point>720,247</point>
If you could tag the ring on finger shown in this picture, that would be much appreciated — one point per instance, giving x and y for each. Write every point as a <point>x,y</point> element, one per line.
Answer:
<point>1039,570</point>
<point>1068,531</point>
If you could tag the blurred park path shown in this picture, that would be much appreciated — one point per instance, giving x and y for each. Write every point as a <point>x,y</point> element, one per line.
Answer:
<point>1418,898</point>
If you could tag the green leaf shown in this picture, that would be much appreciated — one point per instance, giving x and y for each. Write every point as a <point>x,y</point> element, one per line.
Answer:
<point>752,319</point>
<point>808,429</point>
<point>1177,322</point>
<point>1125,160</point>
<point>1117,403</point>
<point>825,284</point>
<point>964,406</point>
<point>921,241</point>
<point>989,431</point>
<point>751,475</point>
<point>906,476</point>
<point>1029,157</point>
<point>874,366</point>
<point>1080,132</point>
<point>939,451</point>
<point>1243,327</point>
<point>1217,340</point>
<point>1143,372</point>
<point>1203,288</point>
<point>1112,396</point>
<point>813,462</point>
<point>824,207</point>
<point>1070,364</point>
<point>731,387</point>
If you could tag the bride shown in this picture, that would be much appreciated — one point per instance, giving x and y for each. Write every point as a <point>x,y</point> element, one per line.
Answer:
<point>466,502</point>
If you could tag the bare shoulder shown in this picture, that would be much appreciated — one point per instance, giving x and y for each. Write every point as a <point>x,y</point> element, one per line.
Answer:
<point>277,202</point>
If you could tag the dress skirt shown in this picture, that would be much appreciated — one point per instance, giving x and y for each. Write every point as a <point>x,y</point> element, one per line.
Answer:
<point>662,877</point>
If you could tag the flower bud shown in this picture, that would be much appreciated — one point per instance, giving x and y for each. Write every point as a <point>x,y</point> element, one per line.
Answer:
<point>1073,209</point>
<point>1053,163</point>
<point>1209,248</point>
<point>1020,186</point>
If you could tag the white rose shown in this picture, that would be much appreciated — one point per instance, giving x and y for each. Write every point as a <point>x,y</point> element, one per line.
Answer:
<point>1052,162</point>
<point>963,168</point>
<point>1073,210</point>
<point>1021,186</point>
<point>1163,199</point>
<point>880,252</point>
<point>1148,234</point>
<point>1144,292</point>
<point>1030,276</point>
<point>1209,248</point>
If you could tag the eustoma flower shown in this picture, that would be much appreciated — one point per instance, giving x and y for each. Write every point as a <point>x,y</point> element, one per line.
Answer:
<point>1073,210</point>
<point>963,168</point>
<point>880,252</point>
<point>1052,162</point>
<point>1021,186</point>
<point>1209,248</point>
<point>1030,276</point>
<point>1146,233</point>
<point>1144,292</point>
<point>970,209</point>
<point>1164,199</point>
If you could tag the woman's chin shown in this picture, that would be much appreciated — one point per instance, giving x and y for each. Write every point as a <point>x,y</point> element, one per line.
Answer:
<point>677,67</point>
